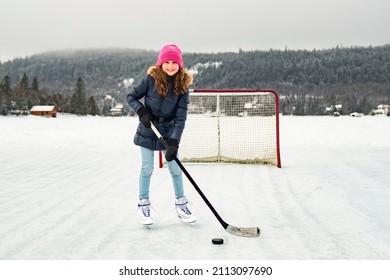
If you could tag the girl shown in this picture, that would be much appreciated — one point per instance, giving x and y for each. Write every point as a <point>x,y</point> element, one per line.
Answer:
<point>165,100</point>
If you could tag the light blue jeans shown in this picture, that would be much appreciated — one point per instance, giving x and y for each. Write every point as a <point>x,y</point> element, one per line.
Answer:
<point>147,171</point>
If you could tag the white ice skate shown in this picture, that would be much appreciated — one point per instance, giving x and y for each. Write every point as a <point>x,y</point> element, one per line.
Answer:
<point>145,211</point>
<point>184,214</point>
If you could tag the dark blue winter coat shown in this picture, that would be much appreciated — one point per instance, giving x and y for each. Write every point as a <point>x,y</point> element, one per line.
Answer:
<point>169,113</point>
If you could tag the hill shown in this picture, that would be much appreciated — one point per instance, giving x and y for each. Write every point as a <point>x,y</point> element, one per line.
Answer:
<point>306,80</point>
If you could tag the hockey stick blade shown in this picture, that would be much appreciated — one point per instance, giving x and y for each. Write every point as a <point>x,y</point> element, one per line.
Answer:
<point>239,231</point>
<point>244,232</point>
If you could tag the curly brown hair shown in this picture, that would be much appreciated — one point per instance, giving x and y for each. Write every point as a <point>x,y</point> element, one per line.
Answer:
<point>183,80</point>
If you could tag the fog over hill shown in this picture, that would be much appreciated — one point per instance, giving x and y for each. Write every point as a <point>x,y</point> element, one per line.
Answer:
<point>331,75</point>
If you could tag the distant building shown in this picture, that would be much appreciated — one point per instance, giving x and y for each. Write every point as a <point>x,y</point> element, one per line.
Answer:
<point>381,110</point>
<point>117,110</point>
<point>43,110</point>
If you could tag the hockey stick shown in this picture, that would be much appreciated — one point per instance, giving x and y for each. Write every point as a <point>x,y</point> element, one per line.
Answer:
<point>240,231</point>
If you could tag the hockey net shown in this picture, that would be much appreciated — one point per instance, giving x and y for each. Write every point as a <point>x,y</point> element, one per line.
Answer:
<point>239,126</point>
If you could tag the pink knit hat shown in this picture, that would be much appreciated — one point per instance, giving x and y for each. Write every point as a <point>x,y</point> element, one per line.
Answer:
<point>170,52</point>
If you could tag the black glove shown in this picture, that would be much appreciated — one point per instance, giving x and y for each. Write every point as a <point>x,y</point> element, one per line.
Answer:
<point>144,116</point>
<point>173,146</point>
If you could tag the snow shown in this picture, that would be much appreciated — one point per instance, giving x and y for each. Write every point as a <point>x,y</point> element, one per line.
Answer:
<point>68,191</point>
<point>200,66</point>
<point>42,108</point>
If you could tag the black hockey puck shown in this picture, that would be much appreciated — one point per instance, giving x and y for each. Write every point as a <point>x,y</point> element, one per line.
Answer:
<point>217,241</point>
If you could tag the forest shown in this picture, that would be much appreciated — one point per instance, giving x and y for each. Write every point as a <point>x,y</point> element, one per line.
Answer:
<point>309,82</point>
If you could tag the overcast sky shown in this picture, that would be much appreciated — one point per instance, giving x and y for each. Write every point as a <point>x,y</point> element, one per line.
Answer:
<point>35,26</point>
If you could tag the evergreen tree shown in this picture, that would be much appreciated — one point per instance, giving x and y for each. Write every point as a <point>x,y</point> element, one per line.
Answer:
<point>22,93</point>
<point>7,95</point>
<point>35,85</point>
<point>1,95</point>
<point>78,102</point>
<point>92,109</point>
<point>58,101</point>
<point>23,85</point>
<point>34,96</point>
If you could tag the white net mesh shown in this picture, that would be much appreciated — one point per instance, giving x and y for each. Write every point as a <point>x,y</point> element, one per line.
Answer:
<point>231,126</point>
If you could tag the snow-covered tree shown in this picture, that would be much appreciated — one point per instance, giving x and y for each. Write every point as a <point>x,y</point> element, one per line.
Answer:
<point>78,102</point>
<point>7,95</point>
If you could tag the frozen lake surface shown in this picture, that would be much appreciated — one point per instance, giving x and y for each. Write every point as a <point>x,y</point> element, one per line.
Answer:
<point>69,186</point>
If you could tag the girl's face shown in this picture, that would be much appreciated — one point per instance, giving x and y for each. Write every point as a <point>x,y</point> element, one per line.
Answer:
<point>170,67</point>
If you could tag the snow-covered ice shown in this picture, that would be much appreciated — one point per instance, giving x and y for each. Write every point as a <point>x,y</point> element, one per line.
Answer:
<point>69,185</point>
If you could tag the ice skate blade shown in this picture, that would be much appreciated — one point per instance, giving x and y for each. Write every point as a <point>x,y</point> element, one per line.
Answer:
<point>148,226</point>
<point>187,221</point>
<point>148,223</point>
